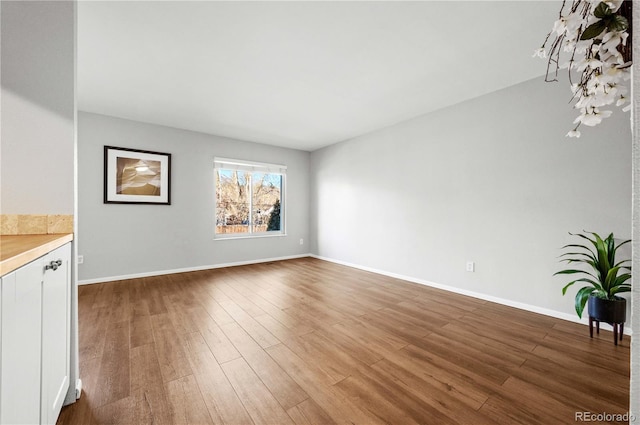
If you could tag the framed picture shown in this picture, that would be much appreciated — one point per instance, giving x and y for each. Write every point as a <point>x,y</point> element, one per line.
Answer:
<point>133,176</point>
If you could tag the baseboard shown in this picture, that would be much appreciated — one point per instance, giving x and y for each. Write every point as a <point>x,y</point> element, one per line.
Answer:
<point>73,393</point>
<point>478,295</point>
<point>78,388</point>
<point>187,269</point>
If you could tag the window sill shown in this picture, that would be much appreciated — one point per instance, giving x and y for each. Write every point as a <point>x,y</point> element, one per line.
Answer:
<point>232,237</point>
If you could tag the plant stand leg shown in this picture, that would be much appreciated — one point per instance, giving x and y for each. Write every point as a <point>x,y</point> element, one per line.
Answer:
<point>591,326</point>
<point>598,327</point>
<point>615,333</point>
<point>621,330</point>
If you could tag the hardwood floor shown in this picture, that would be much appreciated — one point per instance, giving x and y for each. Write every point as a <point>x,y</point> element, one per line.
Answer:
<point>310,342</point>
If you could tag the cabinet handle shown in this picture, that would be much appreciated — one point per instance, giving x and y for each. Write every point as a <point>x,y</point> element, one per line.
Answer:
<point>53,265</point>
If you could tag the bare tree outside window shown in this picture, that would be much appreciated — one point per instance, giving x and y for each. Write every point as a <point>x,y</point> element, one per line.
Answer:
<point>248,202</point>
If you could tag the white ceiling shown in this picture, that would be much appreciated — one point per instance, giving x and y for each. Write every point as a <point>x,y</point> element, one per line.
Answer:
<point>300,74</point>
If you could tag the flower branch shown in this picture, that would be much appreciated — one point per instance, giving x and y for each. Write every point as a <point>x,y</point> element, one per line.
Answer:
<point>594,34</point>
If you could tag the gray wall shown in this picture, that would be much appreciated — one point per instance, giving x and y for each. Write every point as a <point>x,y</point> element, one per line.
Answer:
<point>38,110</point>
<point>121,240</point>
<point>492,180</point>
<point>38,121</point>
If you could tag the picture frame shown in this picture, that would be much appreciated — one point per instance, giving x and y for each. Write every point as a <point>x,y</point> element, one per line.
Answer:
<point>133,176</point>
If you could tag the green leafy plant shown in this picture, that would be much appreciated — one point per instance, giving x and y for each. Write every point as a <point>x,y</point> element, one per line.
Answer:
<point>606,279</point>
<point>607,20</point>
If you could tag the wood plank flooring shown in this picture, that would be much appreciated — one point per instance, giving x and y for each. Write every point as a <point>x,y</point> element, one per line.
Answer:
<point>310,342</point>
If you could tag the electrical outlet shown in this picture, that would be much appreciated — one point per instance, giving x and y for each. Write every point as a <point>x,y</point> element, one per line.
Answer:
<point>301,241</point>
<point>471,266</point>
<point>80,259</point>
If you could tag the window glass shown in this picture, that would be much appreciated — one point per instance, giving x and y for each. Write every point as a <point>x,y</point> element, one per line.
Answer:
<point>232,201</point>
<point>266,190</point>
<point>249,199</point>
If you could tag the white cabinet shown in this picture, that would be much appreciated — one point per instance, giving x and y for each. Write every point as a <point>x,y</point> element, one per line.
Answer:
<point>34,342</point>
<point>21,345</point>
<point>56,298</point>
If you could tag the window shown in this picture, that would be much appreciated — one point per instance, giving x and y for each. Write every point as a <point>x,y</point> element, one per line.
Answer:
<point>249,198</point>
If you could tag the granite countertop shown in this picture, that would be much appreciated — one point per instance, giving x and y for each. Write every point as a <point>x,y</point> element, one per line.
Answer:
<point>18,250</point>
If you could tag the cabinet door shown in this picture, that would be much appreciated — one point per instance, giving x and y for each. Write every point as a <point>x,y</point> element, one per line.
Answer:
<point>21,345</point>
<point>56,287</point>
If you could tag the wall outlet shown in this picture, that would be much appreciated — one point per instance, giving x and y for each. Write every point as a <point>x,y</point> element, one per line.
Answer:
<point>301,241</point>
<point>471,266</point>
<point>80,259</point>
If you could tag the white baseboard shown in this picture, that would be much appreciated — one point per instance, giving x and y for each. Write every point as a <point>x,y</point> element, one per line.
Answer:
<point>485,297</point>
<point>187,269</point>
<point>78,388</point>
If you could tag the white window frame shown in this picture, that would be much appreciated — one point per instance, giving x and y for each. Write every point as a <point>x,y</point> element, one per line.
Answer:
<point>251,167</point>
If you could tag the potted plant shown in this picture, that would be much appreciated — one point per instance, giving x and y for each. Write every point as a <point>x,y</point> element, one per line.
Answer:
<point>605,280</point>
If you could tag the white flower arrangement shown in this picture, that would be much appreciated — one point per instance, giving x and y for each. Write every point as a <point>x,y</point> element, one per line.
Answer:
<point>595,35</point>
